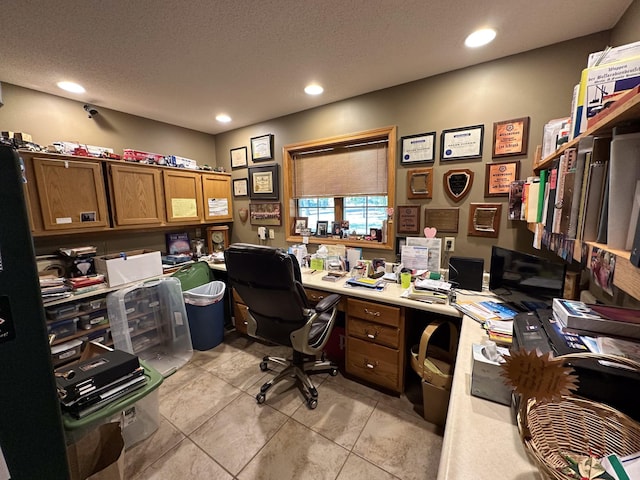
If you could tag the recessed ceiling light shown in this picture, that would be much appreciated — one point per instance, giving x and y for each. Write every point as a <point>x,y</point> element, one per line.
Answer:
<point>480,37</point>
<point>71,87</point>
<point>223,118</point>
<point>313,89</point>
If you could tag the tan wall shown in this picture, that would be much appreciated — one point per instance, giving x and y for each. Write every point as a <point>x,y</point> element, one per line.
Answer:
<point>537,84</point>
<point>49,118</point>
<point>628,27</point>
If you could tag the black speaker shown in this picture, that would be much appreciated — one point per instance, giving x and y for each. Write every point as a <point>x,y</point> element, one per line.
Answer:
<point>466,273</point>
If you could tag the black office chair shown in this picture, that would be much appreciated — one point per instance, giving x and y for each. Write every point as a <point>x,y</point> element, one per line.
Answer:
<point>268,280</point>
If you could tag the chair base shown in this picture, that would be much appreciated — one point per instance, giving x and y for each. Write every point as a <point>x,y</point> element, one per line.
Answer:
<point>299,369</point>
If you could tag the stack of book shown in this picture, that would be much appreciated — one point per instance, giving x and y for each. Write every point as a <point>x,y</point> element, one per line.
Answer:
<point>587,319</point>
<point>86,283</point>
<point>495,317</point>
<point>427,296</point>
<point>367,282</point>
<point>53,288</point>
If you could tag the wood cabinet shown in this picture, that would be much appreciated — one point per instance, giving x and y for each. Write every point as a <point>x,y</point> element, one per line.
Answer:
<point>66,195</point>
<point>240,313</point>
<point>136,194</point>
<point>375,343</point>
<point>183,196</point>
<point>218,203</point>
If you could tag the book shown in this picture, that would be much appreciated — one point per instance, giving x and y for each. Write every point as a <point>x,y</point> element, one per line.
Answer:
<point>585,147</point>
<point>177,243</point>
<point>485,310</point>
<point>533,194</point>
<point>603,221</point>
<point>567,164</point>
<point>515,199</point>
<point>593,199</point>
<point>580,317</point>
<point>541,195</point>
<point>552,180</point>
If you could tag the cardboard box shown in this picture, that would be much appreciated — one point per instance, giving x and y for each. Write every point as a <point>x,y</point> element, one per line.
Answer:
<point>435,401</point>
<point>128,267</point>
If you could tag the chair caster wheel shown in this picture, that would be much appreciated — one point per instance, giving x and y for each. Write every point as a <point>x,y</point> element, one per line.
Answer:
<point>260,398</point>
<point>312,403</point>
<point>334,372</point>
<point>263,366</point>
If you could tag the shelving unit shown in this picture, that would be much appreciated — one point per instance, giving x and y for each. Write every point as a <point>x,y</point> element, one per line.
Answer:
<point>626,276</point>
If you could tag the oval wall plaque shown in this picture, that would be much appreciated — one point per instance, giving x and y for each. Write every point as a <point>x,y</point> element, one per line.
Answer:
<point>457,183</point>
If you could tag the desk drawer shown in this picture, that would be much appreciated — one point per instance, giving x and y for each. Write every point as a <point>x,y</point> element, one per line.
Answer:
<point>373,363</point>
<point>240,314</point>
<point>374,332</point>
<point>314,296</point>
<point>374,312</point>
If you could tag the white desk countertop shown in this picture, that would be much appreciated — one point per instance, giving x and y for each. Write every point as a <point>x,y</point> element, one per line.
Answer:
<point>481,440</point>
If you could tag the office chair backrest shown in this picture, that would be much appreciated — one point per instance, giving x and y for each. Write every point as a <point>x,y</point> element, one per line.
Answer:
<point>268,280</point>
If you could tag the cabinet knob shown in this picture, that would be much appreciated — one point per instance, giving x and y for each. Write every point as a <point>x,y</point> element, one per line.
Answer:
<point>371,312</point>
<point>371,335</point>
<point>369,364</point>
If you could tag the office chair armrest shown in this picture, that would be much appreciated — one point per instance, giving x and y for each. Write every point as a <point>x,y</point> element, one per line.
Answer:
<point>327,303</point>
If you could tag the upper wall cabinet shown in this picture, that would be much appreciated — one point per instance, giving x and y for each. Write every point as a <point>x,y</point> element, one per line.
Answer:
<point>136,194</point>
<point>70,195</point>
<point>216,188</point>
<point>183,196</point>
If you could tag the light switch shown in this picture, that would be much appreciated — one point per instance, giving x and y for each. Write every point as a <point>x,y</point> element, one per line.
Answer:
<point>272,233</point>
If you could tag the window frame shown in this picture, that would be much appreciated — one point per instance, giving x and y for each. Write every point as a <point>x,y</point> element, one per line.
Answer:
<point>288,153</point>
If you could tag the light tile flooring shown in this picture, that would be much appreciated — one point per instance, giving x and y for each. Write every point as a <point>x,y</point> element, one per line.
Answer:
<point>212,428</point>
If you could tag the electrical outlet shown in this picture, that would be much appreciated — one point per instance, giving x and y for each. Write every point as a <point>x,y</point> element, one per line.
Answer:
<point>272,233</point>
<point>449,244</point>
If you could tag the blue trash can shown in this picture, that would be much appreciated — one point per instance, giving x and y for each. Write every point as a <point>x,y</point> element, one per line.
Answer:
<point>205,311</point>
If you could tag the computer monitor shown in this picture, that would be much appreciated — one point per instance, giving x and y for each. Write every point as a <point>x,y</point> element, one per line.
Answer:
<point>523,279</point>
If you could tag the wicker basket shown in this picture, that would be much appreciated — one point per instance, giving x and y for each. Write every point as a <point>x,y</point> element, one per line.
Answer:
<point>576,426</point>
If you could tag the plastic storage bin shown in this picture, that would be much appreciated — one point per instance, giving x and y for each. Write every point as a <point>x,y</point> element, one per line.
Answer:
<point>205,310</point>
<point>150,320</point>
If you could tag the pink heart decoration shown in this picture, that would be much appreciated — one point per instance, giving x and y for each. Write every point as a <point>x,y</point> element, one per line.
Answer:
<point>430,232</point>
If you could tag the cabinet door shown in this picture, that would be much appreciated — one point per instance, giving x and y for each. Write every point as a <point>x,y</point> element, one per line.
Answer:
<point>71,193</point>
<point>183,196</point>
<point>137,195</point>
<point>217,197</point>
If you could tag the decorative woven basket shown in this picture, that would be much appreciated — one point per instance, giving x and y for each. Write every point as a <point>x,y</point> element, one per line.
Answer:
<point>576,426</point>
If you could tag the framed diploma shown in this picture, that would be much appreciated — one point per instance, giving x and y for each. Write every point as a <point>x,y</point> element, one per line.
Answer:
<point>408,219</point>
<point>484,220</point>
<point>498,178</point>
<point>262,148</point>
<point>238,157</point>
<point>462,143</point>
<point>240,187</point>
<point>510,137</point>
<point>263,182</point>
<point>418,148</point>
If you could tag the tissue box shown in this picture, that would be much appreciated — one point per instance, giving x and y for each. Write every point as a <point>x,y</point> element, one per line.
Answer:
<point>127,267</point>
<point>486,379</point>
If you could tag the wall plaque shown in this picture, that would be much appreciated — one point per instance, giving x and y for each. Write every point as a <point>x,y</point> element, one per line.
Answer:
<point>484,220</point>
<point>420,183</point>
<point>443,219</point>
<point>457,183</point>
<point>409,219</point>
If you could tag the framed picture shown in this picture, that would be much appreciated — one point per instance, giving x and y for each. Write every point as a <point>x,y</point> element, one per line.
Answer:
<point>484,220</point>
<point>263,182</point>
<point>262,148</point>
<point>336,229</point>
<point>298,225</point>
<point>238,157</point>
<point>418,148</point>
<point>240,187</point>
<point>408,219</point>
<point>322,227</point>
<point>462,143</point>
<point>420,183</point>
<point>499,176</point>
<point>265,214</point>
<point>510,137</point>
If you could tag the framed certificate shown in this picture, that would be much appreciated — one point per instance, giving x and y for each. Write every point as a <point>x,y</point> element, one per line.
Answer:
<point>462,143</point>
<point>510,137</point>
<point>418,148</point>
<point>263,182</point>
<point>238,157</point>
<point>240,187</point>
<point>262,148</point>
<point>498,178</point>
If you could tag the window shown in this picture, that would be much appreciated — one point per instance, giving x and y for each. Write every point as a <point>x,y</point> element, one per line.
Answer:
<point>351,178</point>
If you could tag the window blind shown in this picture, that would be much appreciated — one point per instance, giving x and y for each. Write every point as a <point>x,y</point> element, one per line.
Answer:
<point>341,171</point>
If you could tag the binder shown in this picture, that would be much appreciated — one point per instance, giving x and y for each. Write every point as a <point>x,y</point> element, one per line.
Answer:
<point>585,146</point>
<point>567,163</point>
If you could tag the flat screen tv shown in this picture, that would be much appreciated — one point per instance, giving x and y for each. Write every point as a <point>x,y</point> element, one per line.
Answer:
<point>520,276</point>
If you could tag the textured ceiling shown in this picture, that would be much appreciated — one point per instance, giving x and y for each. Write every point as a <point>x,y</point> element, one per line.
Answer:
<point>183,62</point>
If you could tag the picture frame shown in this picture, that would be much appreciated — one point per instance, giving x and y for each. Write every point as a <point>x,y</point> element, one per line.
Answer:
<point>298,224</point>
<point>322,228</point>
<point>238,158</point>
<point>240,187</point>
<point>408,219</point>
<point>420,183</point>
<point>336,229</point>
<point>262,148</point>
<point>463,143</point>
<point>419,148</point>
<point>263,182</point>
<point>499,176</point>
<point>484,220</point>
<point>267,213</point>
<point>510,137</point>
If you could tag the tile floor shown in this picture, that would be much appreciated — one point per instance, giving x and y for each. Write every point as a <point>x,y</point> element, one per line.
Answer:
<point>212,428</point>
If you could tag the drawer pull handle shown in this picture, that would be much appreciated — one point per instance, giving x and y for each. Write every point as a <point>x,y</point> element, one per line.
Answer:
<point>317,297</point>
<point>245,322</point>
<point>371,335</point>
<point>371,312</point>
<point>370,365</point>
